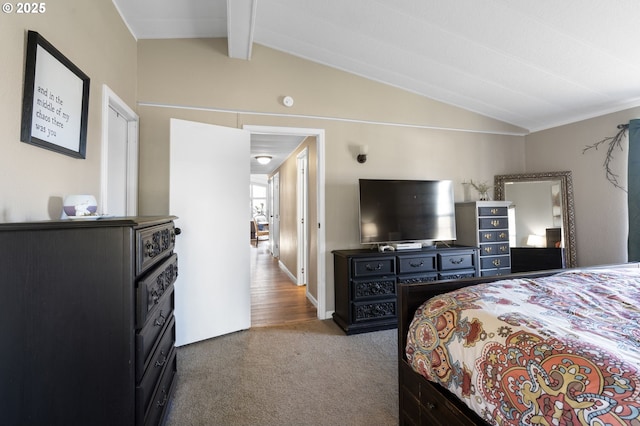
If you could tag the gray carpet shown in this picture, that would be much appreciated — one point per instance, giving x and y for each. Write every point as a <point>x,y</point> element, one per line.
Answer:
<point>307,373</point>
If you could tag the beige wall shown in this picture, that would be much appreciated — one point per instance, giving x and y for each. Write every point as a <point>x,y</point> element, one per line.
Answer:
<point>194,79</point>
<point>93,37</point>
<point>600,209</point>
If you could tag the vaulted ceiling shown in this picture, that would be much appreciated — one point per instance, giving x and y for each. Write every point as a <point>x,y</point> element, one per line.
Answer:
<point>532,63</point>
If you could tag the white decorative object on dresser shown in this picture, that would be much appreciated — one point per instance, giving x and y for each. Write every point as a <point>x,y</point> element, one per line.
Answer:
<point>485,224</point>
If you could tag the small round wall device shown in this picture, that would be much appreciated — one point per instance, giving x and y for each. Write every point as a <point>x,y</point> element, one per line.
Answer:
<point>287,101</point>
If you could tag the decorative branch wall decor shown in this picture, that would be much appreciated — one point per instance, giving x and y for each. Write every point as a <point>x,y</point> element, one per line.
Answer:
<point>612,143</point>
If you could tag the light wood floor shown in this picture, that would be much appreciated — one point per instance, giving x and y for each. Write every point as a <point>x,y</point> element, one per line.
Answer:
<point>275,299</point>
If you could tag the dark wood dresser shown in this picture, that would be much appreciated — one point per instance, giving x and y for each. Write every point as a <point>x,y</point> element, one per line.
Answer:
<point>365,281</point>
<point>486,224</point>
<point>87,319</point>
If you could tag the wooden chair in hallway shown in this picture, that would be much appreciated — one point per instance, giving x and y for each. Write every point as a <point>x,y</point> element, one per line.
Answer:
<point>261,225</point>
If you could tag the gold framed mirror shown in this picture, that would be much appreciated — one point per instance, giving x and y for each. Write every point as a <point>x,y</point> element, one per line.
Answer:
<point>542,208</point>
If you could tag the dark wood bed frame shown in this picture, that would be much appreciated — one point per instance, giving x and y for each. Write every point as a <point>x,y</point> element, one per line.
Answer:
<point>421,401</point>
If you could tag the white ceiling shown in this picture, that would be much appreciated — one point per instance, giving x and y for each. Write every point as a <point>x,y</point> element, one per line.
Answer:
<point>276,146</point>
<point>532,63</point>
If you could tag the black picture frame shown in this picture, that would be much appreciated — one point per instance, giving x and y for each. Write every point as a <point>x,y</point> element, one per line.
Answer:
<point>55,102</point>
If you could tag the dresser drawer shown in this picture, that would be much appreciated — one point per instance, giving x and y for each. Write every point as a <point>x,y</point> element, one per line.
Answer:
<point>493,236</point>
<point>374,266</point>
<point>495,272</point>
<point>160,400</point>
<point>413,264</point>
<point>374,310</point>
<point>495,262</point>
<point>160,358</point>
<point>494,249</point>
<point>152,243</point>
<point>493,223</point>
<point>436,409</point>
<point>151,288</point>
<point>456,261</point>
<point>492,211</point>
<point>457,275</point>
<point>417,278</point>
<point>372,288</point>
<point>147,338</point>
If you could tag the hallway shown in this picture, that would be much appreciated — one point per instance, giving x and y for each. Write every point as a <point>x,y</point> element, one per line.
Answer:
<point>275,299</point>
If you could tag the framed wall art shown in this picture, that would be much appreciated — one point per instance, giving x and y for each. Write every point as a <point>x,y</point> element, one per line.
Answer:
<point>55,102</point>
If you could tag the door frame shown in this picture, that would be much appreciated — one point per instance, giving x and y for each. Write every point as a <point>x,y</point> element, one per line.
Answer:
<point>320,167</point>
<point>111,100</point>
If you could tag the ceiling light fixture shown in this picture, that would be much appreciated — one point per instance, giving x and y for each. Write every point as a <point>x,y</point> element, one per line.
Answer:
<point>263,159</point>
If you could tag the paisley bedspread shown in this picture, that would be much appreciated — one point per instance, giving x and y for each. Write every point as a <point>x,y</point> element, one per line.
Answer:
<point>558,350</point>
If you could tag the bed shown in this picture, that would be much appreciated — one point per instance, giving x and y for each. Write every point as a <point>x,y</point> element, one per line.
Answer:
<point>579,366</point>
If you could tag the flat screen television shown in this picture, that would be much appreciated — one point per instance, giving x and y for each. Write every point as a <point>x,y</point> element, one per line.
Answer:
<point>399,211</point>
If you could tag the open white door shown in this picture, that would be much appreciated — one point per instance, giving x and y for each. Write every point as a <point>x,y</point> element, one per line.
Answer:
<point>302,195</point>
<point>274,219</point>
<point>209,193</point>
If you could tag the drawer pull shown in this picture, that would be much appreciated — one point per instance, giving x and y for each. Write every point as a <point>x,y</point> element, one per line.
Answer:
<point>430,405</point>
<point>416,265</point>
<point>163,361</point>
<point>159,322</point>
<point>378,267</point>
<point>456,262</point>
<point>496,262</point>
<point>488,250</point>
<point>495,223</point>
<point>494,211</point>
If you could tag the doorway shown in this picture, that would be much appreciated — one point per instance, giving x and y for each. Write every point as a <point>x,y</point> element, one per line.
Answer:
<point>119,191</point>
<point>320,297</point>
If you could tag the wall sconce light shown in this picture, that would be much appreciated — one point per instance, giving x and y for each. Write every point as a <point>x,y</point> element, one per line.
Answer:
<point>263,159</point>
<point>362,154</point>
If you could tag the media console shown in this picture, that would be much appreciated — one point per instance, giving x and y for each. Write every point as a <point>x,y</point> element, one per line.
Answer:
<point>365,281</point>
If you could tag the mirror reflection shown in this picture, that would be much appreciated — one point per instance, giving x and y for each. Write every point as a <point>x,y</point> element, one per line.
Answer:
<point>537,213</point>
<point>541,219</point>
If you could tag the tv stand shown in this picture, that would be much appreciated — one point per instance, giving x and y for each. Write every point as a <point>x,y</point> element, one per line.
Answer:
<point>365,281</point>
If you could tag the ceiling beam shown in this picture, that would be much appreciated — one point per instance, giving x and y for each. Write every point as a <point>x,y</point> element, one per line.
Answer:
<point>241,15</point>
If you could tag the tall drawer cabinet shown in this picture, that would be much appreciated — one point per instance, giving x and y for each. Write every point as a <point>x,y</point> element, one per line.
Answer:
<point>485,224</point>
<point>365,281</point>
<point>87,318</point>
